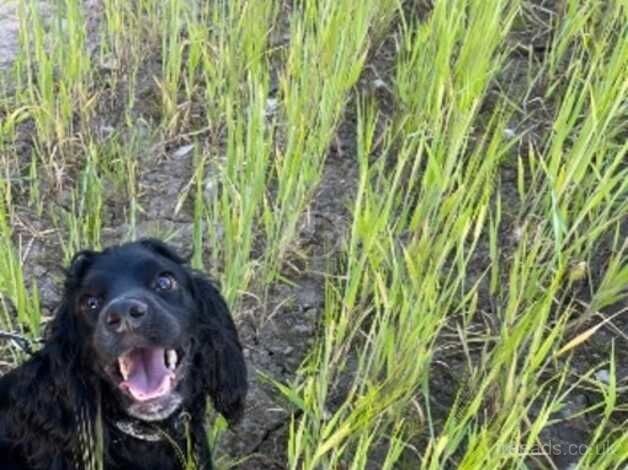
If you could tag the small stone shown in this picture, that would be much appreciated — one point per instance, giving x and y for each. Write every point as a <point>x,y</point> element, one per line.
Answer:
<point>211,189</point>
<point>518,232</point>
<point>183,151</point>
<point>603,376</point>
<point>271,106</point>
<point>509,133</point>
<point>378,83</point>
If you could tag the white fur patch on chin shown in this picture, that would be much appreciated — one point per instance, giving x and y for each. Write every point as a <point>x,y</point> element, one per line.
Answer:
<point>157,409</point>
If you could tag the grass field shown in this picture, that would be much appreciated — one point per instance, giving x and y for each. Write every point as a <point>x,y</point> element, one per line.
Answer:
<point>418,211</point>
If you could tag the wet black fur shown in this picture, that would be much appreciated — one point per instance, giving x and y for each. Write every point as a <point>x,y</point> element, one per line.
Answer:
<point>40,400</point>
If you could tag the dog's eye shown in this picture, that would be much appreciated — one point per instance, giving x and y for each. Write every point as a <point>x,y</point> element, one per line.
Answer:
<point>164,282</point>
<point>90,302</point>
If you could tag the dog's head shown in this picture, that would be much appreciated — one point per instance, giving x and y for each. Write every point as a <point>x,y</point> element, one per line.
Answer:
<point>155,332</point>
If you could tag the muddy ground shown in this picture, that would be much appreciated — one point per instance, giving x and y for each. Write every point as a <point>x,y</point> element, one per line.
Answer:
<point>276,346</point>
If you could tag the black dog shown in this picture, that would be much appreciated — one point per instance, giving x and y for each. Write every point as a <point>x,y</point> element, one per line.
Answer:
<point>136,347</point>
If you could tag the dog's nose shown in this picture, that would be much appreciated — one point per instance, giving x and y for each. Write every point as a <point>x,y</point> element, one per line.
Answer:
<point>125,315</point>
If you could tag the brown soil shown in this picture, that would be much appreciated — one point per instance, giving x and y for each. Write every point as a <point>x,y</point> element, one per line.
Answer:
<point>276,344</point>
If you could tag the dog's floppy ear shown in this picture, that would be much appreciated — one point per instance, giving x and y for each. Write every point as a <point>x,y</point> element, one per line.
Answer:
<point>55,375</point>
<point>224,374</point>
<point>162,249</point>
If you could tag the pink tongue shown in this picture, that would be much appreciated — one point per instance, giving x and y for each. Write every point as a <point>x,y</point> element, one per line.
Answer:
<point>148,376</point>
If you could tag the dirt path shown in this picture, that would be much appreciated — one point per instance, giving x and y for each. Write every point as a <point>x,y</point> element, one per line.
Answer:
<point>10,26</point>
<point>9,29</point>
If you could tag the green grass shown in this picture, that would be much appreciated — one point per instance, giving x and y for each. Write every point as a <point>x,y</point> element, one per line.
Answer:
<point>492,249</point>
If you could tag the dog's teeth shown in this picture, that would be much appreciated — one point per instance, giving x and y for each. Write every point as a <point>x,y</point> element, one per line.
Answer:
<point>124,370</point>
<point>171,359</point>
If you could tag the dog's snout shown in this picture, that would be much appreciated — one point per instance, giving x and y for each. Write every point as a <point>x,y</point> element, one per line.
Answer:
<point>125,315</point>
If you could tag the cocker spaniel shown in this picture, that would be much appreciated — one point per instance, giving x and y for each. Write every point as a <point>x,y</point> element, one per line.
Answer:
<point>138,344</point>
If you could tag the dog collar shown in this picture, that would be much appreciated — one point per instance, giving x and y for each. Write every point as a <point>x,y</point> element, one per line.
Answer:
<point>139,431</point>
<point>149,432</point>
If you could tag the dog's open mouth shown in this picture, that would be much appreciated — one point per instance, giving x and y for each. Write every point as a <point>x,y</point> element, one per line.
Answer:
<point>148,373</point>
